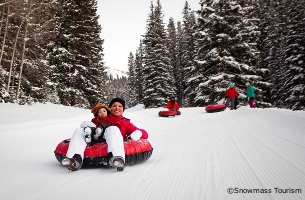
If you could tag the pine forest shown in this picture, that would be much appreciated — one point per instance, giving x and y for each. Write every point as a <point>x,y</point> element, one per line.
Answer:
<point>52,51</point>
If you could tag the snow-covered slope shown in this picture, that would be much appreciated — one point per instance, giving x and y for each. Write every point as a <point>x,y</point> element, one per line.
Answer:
<point>259,153</point>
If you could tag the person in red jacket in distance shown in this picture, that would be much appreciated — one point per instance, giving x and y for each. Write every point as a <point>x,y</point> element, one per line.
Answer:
<point>231,94</point>
<point>172,104</point>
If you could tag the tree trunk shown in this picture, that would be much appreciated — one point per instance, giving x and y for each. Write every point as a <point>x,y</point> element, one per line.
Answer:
<point>16,39</point>
<point>2,15</point>
<point>23,50</point>
<point>22,58</point>
<point>13,56</point>
<point>5,32</point>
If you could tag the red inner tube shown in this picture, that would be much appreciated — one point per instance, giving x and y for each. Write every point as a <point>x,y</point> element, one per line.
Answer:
<point>167,113</point>
<point>97,155</point>
<point>215,108</point>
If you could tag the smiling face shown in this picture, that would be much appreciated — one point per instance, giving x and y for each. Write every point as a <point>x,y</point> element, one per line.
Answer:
<point>116,108</point>
<point>102,112</point>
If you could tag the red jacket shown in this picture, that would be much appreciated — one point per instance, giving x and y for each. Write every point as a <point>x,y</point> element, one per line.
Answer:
<point>124,124</point>
<point>231,92</point>
<point>100,120</point>
<point>171,106</point>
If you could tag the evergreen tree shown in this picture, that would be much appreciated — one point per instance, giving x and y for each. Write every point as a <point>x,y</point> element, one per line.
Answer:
<point>138,71</point>
<point>159,84</point>
<point>269,45</point>
<point>272,44</point>
<point>293,79</point>
<point>250,34</point>
<point>76,57</point>
<point>223,53</point>
<point>188,46</point>
<point>132,82</point>
<point>172,42</point>
<point>179,78</point>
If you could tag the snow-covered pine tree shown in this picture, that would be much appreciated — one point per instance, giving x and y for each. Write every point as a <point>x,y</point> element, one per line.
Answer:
<point>179,78</point>
<point>198,74</point>
<point>272,44</point>
<point>250,33</point>
<point>223,53</point>
<point>293,89</point>
<point>77,54</point>
<point>158,82</point>
<point>172,42</point>
<point>269,44</point>
<point>187,43</point>
<point>138,70</point>
<point>132,82</point>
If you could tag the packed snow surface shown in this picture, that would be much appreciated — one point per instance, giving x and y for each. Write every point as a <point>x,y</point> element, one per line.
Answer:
<point>251,153</point>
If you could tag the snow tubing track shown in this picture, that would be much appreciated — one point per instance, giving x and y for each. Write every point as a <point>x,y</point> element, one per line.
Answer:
<point>97,155</point>
<point>167,113</point>
<point>215,108</point>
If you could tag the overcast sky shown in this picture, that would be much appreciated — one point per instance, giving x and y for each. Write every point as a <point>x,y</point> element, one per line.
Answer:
<point>124,21</point>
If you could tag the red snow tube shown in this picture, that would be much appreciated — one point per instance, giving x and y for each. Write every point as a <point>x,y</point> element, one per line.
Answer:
<point>97,155</point>
<point>215,108</point>
<point>167,113</point>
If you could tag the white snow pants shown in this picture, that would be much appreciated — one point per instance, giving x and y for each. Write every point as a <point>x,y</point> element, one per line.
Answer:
<point>77,143</point>
<point>115,142</point>
<point>113,139</point>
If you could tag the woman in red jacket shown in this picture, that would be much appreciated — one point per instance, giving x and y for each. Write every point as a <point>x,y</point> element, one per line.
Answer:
<point>231,94</point>
<point>172,104</point>
<point>120,129</point>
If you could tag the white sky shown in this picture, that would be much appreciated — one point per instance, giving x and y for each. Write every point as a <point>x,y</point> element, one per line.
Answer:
<point>124,21</point>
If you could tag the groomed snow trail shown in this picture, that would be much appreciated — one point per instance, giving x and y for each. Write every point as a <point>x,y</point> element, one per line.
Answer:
<point>196,156</point>
<point>245,149</point>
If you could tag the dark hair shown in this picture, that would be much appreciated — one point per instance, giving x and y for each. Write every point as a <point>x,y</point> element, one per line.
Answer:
<point>121,101</point>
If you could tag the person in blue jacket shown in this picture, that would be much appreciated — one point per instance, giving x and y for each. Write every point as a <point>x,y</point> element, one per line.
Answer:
<point>250,94</point>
